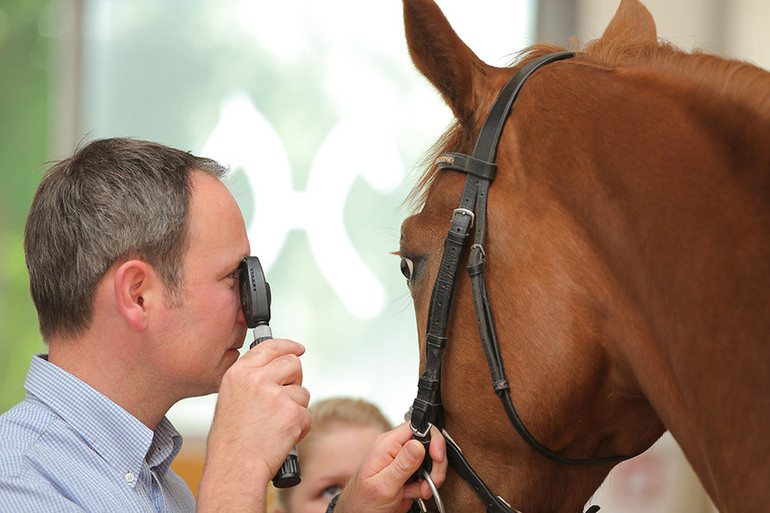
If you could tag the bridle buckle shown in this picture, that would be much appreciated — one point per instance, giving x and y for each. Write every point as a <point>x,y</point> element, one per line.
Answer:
<point>420,434</point>
<point>465,212</point>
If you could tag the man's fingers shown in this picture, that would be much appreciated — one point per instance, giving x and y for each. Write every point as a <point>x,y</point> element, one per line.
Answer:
<point>271,349</point>
<point>285,370</point>
<point>298,394</point>
<point>408,460</point>
<point>437,445</point>
<point>438,471</point>
<point>271,366</point>
<point>382,483</point>
<point>437,452</point>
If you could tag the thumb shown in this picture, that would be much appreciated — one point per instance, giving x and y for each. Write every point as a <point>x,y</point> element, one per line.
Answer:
<point>408,460</point>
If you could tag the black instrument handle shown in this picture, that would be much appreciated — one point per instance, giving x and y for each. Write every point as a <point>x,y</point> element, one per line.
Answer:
<point>289,474</point>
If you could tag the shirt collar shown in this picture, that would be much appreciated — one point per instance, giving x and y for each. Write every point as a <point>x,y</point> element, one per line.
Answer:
<point>117,436</point>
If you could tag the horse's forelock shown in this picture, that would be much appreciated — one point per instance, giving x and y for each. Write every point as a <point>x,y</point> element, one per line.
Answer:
<point>447,142</point>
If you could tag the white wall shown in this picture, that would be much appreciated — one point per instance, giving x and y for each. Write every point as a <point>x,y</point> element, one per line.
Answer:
<point>731,28</point>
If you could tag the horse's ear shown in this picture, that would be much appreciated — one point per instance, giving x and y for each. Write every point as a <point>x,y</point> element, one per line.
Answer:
<point>441,56</point>
<point>632,24</point>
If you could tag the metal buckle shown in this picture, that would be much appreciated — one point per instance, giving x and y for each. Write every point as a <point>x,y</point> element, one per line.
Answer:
<point>465,212</point>
<point>419,434</point>
<point>481,248</point>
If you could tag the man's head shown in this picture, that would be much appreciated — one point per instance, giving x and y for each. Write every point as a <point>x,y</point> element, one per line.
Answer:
<point>113,200</point>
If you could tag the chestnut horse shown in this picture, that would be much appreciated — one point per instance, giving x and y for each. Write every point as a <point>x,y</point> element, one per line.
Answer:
<point>628,263</point>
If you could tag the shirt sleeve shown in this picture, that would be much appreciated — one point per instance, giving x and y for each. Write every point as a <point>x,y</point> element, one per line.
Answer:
<point>18,493</point>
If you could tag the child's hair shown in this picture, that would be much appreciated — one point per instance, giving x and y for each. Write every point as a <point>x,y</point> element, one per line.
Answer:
<point>345,410</point>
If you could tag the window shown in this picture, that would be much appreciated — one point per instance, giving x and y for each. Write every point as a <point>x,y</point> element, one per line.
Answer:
<point>323,120</point>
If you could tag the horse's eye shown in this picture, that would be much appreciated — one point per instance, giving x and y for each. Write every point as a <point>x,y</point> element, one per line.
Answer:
<point>407,268</point>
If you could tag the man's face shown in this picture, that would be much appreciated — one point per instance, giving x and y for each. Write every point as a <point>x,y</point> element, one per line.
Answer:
<point>199,339</point>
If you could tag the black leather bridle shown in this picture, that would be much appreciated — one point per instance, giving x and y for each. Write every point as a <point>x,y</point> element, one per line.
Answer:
<point>427,409</point>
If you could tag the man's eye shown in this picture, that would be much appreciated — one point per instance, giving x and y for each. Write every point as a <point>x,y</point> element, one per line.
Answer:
<point>407,268</point>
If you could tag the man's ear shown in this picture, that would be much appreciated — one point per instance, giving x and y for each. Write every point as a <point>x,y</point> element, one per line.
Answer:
<point>135,291</point>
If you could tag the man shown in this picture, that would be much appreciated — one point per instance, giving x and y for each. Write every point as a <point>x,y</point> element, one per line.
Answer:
<point>133,251</point>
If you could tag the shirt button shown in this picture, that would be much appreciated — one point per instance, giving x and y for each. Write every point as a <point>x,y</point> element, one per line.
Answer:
<point>130,477</point>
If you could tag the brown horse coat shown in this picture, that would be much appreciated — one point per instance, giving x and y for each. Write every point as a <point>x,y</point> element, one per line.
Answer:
<point>628,263</point>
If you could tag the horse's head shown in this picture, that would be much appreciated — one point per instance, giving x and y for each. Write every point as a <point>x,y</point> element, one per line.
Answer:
<point>556,306</point>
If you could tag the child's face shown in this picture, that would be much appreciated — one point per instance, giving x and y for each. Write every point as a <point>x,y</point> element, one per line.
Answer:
<point>334,458</point>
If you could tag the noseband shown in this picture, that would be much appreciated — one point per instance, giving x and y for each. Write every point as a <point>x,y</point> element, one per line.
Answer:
<point>427,409</point>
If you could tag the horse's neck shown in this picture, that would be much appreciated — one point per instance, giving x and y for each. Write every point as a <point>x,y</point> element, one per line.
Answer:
<point>744,84</point>
<point>737,81</point>
<point>675,194</point>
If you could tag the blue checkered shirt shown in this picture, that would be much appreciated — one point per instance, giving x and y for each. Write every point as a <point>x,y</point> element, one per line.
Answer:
<point>67,447</point>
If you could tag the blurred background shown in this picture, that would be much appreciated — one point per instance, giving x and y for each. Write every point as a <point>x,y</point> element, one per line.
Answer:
<point>323,120</point>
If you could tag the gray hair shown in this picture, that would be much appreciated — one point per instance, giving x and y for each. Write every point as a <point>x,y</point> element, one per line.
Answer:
<point>113,200</point>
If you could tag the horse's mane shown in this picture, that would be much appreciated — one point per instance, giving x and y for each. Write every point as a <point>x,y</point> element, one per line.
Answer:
<point>738,82</point>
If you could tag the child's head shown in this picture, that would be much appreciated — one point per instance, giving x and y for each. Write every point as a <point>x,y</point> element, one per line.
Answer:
<point>343,430</point>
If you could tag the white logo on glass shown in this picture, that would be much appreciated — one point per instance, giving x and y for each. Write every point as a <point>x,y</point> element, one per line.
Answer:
<point>355,147</point>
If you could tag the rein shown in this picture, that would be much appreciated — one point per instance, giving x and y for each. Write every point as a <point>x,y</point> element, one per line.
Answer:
<point>427,409</point>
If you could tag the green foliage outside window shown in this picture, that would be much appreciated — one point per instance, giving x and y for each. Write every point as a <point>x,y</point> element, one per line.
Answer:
<point>25,87</point>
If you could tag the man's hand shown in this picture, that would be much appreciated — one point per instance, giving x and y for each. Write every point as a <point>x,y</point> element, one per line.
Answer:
<point>261,412</point>
<point>380,484</point>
